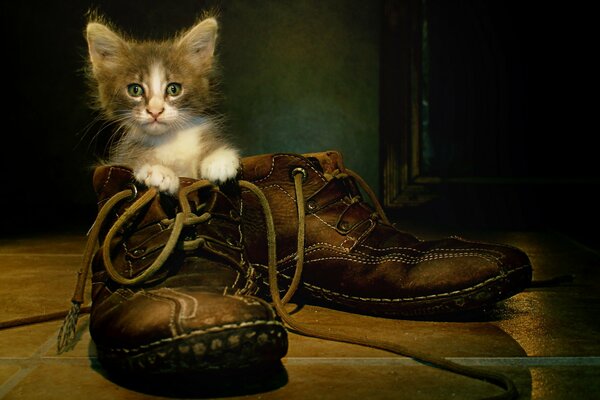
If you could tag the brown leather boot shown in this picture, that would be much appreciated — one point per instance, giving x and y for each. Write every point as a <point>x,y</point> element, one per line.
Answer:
<point>353,258</point>
<point>171,289</point>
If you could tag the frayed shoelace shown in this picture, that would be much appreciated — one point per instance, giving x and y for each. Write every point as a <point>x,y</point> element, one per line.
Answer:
<point>186,218</point>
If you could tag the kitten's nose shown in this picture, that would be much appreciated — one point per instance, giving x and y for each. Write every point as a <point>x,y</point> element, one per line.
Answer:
<point>155,112</point>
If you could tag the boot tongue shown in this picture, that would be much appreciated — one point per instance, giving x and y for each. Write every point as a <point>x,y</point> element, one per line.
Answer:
<point>328,161</point>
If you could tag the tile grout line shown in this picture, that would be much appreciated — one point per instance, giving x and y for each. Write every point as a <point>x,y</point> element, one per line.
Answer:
<point>585,361</point>
<point>22,373</point>
<point>15,379</point>
<point>42,254</point>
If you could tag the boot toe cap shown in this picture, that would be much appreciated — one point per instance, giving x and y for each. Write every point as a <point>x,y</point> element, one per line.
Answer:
<point>168,330</point>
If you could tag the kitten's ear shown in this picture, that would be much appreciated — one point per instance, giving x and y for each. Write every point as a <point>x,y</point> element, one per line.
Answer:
<point>199,42</point>
<point>104,45</point>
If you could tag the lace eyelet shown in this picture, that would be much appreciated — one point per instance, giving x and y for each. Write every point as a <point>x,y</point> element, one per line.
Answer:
<point>138,252</point>
<point>134,191</point>
<point>344,226</point>
<point>234,215</point>
<point>298,170</point>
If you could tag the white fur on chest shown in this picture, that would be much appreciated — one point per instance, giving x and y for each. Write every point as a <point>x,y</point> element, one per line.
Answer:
<point>181,152</point>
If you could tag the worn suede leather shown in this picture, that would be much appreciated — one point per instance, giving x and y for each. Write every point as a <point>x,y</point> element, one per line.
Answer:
<point>198,311</point>
<point>354,260</point>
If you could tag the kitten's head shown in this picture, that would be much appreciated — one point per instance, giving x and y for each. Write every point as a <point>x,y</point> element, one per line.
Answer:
<point>153,86</point>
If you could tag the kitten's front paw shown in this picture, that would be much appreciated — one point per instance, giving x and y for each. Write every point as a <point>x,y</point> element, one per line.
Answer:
<point>158,176</point>
<point>220,166</point>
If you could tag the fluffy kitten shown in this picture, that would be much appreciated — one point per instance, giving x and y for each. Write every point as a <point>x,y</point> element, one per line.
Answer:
<point>159,94</point>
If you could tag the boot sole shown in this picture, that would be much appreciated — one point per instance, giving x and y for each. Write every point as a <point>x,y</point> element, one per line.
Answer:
<point>197,352</point>
<point>477,297</point>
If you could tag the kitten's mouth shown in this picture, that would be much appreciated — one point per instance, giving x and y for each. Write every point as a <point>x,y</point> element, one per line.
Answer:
<point>155,126</point>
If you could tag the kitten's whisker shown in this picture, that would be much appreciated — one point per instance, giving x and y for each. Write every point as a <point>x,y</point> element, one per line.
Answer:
<point>125,133</point>
<point>84,132</point>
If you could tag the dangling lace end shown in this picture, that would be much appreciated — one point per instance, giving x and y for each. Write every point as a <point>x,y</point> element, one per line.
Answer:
<point>66,335</point>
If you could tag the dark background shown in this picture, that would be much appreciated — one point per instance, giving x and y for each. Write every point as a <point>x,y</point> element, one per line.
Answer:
<point>510,134</point>
<point>300,76</point>
<point>512,97</point>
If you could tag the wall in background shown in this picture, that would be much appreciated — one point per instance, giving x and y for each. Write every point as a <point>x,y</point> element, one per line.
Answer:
<point>303,76</point>
<point>497,127</point>
<point>299,76</point>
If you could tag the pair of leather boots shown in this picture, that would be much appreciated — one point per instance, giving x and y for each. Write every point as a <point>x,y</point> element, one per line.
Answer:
<point>182,284</point>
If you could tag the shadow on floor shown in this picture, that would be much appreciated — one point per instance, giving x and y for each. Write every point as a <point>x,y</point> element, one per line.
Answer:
<point>213,384</point>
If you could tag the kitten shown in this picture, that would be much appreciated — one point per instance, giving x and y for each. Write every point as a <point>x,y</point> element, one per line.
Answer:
<point>159,93</point>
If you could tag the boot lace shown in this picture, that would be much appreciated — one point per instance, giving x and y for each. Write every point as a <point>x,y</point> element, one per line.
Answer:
<point>183,218</point>
<point>186,218</point>
<point>299,174</point>
<point>357,198</point>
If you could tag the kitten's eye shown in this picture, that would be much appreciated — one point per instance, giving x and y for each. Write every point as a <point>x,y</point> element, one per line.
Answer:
<point>135,90</point>
<point>174,89</point>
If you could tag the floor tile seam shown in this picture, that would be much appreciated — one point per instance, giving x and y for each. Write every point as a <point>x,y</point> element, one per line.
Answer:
<point>15,379</point>
<point>583,361</point>
<point>27,368</point>
<point>32,362</point>
<point>37,355</point>
<point>578,361</point>
<point>41,254</point>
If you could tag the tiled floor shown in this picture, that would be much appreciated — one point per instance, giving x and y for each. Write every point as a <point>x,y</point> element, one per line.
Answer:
<point>546,339</point>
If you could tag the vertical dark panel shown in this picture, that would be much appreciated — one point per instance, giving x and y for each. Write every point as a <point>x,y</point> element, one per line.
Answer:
<point>503,89</point>
<point>509,139</point>
<point>472,91</point>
